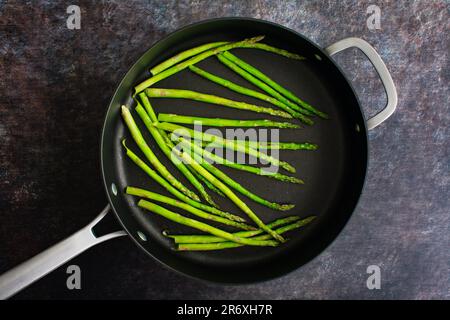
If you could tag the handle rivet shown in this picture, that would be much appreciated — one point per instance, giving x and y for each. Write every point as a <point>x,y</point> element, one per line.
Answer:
<point>357,128</point>
<point>114,189</point>
<point>142,236</point>
<point>318,57</point>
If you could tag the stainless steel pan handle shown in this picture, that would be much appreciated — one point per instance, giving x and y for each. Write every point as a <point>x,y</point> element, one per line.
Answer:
<point>29,271</point>
<point>382,71</point>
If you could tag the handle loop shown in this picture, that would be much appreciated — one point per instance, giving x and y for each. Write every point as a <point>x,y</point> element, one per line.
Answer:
<point>382,71</point>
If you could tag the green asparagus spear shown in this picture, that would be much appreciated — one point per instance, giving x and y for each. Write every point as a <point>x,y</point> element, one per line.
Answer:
<point>287,146</point>
<point>257,73</point>
<point>206,182</point>
<point>260,84</point>
<point>228,244</point>
<point>139,139</point>
<point>266,47</point>
<point>213,239</point>
<point>183,65</point>
<point>156,177</point>
<point>216,159</point>
<point>182,205</point>
<point>166,150</point>
<point>180,130</point>
<point>249,92</point>
<point>219,122</point>
<point>273,145</point>
<point>192,95</point>
<point>227,191</point>
<point>238,187</point>
<point>183,56</point>
<point>170,144</point>
<point>194,51</point>
<point>195,173</point>
<point>201,226</point>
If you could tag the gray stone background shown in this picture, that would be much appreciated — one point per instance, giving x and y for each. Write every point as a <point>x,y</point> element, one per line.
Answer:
<point>55,84</point>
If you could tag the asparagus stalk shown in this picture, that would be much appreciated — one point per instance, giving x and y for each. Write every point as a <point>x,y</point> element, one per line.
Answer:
<point>167,151</point>
<point>228,244</point>
<point>219,122</point>
<point>195,173</point>
<point>266,47</point>
<point>182,205</point>
<point>180,130</point>
<point>273,146</point>
<point>183,65</point>
<point>139,139</point>
<point>197,96</point>
<point>201,226</point>
<point>206,182</point>
<point>216,159</point>
<point>169,143</point>
<point>212,239</point>
<point>227,191</point>
<point>196,50</point>
<point>287,146</point>
<point>260,84</point>
<point>249,92</point>
<point>257,73</point>
<point>183,56</point>
<point>156,177</point>
<point>238,187</point>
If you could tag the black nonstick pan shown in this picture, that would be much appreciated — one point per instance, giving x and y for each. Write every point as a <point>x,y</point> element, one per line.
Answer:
<point>334,175</point>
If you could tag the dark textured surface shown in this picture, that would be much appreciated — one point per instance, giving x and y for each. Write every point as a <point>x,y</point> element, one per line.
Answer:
<point>56,84</point>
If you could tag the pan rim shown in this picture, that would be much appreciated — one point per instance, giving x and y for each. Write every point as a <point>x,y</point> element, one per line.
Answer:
<point>274,275</point>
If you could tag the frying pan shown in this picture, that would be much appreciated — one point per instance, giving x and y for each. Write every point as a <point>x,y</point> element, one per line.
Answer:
<point>334,174</point>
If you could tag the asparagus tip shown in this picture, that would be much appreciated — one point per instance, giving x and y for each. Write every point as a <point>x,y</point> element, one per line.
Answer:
<point>257,38</point>
<point>236,218</point>
<point>309,219</point>
<point>288,167</point>
<point>298,57</point>
<point>208,199</point>
<point>279,238</point>
<point>285,207</point>
<point>323,115</point>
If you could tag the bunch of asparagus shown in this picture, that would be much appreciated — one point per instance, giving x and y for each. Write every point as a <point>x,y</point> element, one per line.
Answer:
<point>169,135</point>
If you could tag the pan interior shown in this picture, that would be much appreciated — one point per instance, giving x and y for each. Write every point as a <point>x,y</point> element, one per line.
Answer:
<point>333,175</point>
